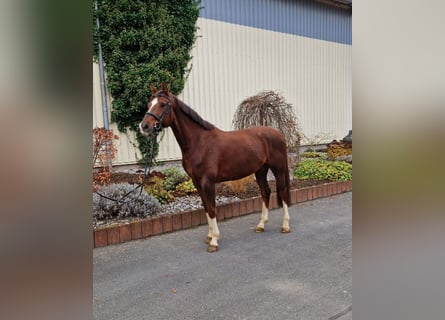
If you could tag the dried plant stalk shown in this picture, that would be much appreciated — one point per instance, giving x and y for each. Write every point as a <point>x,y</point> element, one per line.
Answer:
<point>269,108</point>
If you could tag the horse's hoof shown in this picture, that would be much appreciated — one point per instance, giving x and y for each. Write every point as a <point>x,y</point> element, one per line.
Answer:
<point>207,240</point>
<point>259,229</point>
<point>285,230</point>
<point>211,248</point>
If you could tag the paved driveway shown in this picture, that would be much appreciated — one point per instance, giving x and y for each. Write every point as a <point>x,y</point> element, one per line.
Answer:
<point>306,274</point>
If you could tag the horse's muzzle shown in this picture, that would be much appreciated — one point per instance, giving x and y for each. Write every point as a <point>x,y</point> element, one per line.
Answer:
<point>146,129</point>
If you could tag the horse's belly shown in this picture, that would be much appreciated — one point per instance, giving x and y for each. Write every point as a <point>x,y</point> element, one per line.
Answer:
<point>237,169</point>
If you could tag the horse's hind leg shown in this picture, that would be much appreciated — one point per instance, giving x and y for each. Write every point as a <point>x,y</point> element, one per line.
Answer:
<point>261,179</point>
<point>285,227</point>
<point>282,181</point>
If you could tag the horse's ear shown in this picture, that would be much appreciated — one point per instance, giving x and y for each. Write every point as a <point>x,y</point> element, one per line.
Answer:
<point>164,87</point>
<point>153,89</point>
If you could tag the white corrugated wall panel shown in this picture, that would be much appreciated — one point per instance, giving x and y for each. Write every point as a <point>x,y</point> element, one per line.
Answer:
<point>98,119</point>
<point>232,62</point>
<point>127,153</point>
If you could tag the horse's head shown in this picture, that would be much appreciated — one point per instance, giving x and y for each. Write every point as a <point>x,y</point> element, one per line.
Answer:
<point>158,115</point>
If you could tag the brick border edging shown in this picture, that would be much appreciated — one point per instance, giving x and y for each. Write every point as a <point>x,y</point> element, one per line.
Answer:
<point>141,229</point>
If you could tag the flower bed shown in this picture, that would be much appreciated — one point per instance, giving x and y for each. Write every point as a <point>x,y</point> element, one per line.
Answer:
<point>144,228</point>
<point>178,206</point>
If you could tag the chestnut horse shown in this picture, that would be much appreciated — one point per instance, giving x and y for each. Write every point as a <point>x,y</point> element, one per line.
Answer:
<point>210,155</point>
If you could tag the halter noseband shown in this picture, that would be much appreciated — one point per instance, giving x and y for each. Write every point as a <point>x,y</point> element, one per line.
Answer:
<point>158,124</point>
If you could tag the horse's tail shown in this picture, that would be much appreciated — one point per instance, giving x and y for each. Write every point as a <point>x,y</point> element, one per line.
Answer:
<point>279,200</point>
<point>284,189</point>
<point>287,186</point>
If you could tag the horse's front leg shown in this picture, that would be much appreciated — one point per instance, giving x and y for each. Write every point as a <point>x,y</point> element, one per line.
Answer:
<point>207,193</point>
<point>214,231</point>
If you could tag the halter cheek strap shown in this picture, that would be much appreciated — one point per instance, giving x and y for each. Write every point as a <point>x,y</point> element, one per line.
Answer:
<point>158,124</point>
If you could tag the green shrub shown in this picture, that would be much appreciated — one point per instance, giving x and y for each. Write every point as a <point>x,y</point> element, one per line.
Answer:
<point>173,177</point>
<point>339,149</point>
<point>144,42</point>
<point>313,154</point>
<point>163,184</point>
<point>323,170</point>
<point>136,204</point>
<point>185,188</point>
<point>155,187</point>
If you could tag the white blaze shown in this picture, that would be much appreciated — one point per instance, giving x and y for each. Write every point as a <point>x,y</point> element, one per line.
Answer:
<point>152,104</point>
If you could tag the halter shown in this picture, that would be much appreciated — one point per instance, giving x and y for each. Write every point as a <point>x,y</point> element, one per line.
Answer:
<point>158,124</point>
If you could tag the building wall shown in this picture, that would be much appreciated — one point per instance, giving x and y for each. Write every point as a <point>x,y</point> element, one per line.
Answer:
<point>301,49</point>
<point>306,18</point>
<point>126,153</point>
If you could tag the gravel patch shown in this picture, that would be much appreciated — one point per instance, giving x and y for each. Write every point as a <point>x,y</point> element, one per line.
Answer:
<point>191,203</point>
<point>179,205</point>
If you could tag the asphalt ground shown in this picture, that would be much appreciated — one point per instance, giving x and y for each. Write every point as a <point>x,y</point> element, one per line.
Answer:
<point>306,274</point>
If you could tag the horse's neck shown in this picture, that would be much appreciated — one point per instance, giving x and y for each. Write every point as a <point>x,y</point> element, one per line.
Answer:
<point>187,132</point>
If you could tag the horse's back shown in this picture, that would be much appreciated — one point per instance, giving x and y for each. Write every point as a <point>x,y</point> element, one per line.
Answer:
<point>273,137</point>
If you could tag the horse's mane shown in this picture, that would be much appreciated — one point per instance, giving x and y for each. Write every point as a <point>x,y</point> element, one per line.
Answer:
<point>193,115</point>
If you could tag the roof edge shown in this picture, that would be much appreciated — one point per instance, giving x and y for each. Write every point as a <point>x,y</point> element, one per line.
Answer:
<point>343,4</point>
